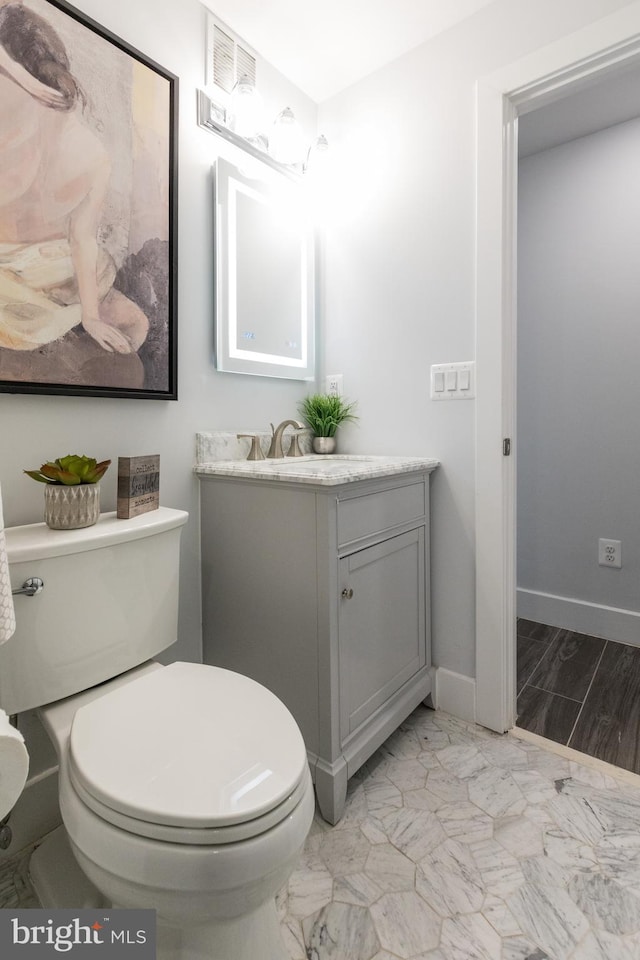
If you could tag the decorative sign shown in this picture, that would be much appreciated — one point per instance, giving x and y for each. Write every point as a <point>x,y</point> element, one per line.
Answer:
<point>138,485</point>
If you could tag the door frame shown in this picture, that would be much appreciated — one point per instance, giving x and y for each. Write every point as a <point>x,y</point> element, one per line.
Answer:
<point>570,64</point>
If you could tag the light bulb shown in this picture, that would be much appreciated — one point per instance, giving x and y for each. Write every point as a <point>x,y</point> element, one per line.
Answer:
<point>317,154</point>
<point>245,109</point>
<point>286,143</point>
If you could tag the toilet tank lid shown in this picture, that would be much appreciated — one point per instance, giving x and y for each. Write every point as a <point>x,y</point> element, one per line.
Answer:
<point>36,541</point>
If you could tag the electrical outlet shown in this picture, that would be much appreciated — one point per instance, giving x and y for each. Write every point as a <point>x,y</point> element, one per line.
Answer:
<point>610,553</point>
<point>333,384</point>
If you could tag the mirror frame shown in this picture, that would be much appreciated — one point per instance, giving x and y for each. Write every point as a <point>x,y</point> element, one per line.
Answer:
<point>229,356</point>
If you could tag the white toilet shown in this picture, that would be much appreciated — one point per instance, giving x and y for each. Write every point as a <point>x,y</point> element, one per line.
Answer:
<point>183,788</point>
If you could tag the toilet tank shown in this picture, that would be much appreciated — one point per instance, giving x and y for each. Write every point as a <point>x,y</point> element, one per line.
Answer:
<point>110,602</point>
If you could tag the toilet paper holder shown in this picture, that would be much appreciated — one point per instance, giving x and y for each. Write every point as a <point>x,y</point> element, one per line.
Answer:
<point>30,587</point>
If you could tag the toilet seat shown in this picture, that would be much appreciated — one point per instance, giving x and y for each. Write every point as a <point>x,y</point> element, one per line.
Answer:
<point>207,836</point>
<point>188,753</point>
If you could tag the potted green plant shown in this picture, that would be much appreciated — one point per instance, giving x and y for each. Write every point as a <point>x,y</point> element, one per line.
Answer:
<point>323,413</point>
<point>72,490</point>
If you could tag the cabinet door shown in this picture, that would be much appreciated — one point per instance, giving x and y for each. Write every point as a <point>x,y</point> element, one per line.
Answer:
<point>382,627</point>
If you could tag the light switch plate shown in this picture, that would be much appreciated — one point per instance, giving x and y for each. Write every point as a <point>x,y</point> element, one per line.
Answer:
<point>463,374</point>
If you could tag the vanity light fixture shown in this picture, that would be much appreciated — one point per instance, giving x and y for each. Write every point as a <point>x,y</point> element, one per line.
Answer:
<point>240,122</point>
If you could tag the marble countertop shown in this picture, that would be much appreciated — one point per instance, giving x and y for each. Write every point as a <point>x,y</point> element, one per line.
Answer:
<point>316,469</point>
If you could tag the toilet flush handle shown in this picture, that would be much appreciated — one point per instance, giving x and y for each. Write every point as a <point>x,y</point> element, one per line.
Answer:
<point>30,587</point>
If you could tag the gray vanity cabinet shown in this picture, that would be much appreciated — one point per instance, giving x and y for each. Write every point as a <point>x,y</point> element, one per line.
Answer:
<point>381,625</point>
<point>321,593</point>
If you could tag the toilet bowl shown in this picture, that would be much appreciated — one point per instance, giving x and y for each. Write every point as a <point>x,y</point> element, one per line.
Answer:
<point>186,789</point>
<point>183,788</point>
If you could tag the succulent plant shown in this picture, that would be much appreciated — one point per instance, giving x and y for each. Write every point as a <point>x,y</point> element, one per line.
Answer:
<point>324,413</point>
<point>69,471</point>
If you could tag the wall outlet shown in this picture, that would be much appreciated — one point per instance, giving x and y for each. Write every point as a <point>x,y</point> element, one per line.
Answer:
<point>333,384</point>
<point>610,553</point>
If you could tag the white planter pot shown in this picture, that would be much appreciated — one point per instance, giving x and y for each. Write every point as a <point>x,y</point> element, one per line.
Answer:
<point>68,508</point>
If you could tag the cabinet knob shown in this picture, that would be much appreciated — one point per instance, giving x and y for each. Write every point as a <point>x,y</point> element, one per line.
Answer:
<point>347,593</point>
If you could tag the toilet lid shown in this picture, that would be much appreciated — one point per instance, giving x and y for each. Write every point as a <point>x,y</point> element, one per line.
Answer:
<point>188,746</point>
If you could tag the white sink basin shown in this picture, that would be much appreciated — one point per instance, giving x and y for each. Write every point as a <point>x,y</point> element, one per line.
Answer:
<point>318,466</point>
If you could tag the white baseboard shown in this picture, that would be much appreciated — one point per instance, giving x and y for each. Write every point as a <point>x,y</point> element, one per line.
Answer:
<point>455,694</point>
<point>580,616</point>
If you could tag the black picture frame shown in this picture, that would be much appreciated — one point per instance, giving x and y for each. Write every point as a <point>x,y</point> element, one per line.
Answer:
<point>88,217</point>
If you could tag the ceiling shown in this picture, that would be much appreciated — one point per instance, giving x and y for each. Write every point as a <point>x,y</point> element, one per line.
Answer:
<point>603,103</point>
<point>323,46</point>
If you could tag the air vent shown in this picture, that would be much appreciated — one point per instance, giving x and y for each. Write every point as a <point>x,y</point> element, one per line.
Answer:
<point>245,64</point>
<point>223,60</point>
<point>228,61</point>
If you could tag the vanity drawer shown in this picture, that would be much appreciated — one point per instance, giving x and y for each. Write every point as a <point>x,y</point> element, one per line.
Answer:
<point>376,512</point>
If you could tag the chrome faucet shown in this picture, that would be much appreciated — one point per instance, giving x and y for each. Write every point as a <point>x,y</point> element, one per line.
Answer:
<point>275,450</point>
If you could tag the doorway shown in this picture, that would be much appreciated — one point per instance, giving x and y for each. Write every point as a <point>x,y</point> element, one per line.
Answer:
<point>568,66</point>
<point>578,346</point>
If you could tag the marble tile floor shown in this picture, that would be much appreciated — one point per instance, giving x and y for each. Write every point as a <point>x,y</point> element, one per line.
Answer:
<point>460,844</point>
<point>580,691</point>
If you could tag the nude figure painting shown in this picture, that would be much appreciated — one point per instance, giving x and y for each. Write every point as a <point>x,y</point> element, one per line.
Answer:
<point>88,151</point>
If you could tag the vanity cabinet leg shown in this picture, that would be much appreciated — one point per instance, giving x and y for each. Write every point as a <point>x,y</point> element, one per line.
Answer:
<point>331,789</point>
<point>428,702</point>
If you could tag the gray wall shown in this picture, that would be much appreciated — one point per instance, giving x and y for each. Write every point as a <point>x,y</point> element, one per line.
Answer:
<point>400,266</point>
<point>578,357</point>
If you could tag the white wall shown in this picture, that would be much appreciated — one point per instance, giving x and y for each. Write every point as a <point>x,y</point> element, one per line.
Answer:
<point>400,266</point>
<point>34,428</point>
<point>578,384</point>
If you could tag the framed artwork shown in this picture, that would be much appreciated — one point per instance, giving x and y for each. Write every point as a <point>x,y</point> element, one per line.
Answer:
<point>88,209</point>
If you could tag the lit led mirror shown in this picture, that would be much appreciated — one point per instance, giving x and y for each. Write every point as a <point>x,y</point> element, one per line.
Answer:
<point>264,275</point>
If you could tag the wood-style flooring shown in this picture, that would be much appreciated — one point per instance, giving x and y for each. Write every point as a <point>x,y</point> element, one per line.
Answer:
<point>581,691</point>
